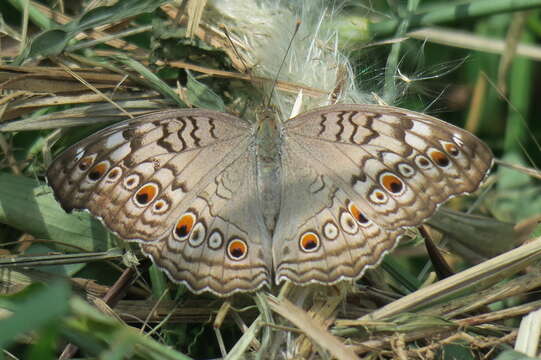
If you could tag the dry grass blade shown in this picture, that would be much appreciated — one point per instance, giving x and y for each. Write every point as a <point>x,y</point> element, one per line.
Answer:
<point>488,271</point>
<point>523,169</point>
<point>44,260</point>
<point>311,328</point>
<point>529,334</point>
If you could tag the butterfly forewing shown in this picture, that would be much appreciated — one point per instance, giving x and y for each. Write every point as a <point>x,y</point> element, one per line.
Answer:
<point>397,165</point>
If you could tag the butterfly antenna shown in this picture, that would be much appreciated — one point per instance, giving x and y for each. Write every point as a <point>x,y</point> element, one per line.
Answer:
<point>275,81</point>
<point>234,47</point>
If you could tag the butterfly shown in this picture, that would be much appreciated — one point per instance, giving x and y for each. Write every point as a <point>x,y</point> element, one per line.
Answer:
<point>225,206</point>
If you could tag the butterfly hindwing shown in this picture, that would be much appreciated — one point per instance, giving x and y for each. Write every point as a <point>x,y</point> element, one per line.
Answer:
<point>326,239</point>
<point>219,244</point>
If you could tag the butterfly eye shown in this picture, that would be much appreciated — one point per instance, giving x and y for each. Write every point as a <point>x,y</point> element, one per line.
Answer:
<point>391,183</point>
<point>184,226</point>
<point>439,158</point>
<point>146,194</point>
<point>309,242</point>
<point>330,230</point>
<point>357,214</point>
<point>237,249</point>
<point>97,171</point>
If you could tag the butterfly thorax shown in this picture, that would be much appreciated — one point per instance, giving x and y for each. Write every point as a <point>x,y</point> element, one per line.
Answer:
<point>268,159</point>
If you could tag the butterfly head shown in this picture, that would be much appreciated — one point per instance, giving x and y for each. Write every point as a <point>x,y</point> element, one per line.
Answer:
<point>268,122</point>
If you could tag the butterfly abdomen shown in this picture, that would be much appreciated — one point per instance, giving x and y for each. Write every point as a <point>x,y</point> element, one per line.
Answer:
<point>269,171</point>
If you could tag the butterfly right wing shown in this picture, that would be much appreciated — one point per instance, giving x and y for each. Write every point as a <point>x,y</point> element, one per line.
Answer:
<point>355,176</point>
<point>179,183</point>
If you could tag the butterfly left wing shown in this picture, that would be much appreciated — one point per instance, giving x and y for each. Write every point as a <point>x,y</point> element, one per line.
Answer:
<point>356,176</point>
<point>169,181</point>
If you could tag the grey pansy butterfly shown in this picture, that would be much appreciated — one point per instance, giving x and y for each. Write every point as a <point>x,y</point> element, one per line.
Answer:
<point>224,206</point>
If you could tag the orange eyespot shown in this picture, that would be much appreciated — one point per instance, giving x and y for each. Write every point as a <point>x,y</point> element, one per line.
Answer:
<point>452,149</point>
<point>357,214</point>
<point>97,171</point>
<point>131,181</point>
<point>391,183</point>
<point>184,226</point>
<point>86,162</point>
<point>439,158</point>
<point>146,194</point>
<point>422,162</point>
<point>237,249</point>
<point>377,196</point>
<point>159,205</point>
<point>309,242</point>
<point>348,223</point>
<point>114,174</point>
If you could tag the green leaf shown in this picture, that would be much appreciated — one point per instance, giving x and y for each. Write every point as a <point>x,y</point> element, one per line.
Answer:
<point>456,351</point>
<point>53,42</point>
<point>50,42</point>
<point>29,206</point>
<point>150,78</point>
<point>121,10</point>
<point>29,313</point>
<point>45,347</point>
<point>202,96</point>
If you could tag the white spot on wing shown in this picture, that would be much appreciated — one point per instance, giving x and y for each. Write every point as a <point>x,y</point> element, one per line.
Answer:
<point>415,141</point>
<point>120,153</point>
<point>348,223</point>
<point>421,128</point>
<point>79,154</point>
<point>215,240</point>
<point>330,231</point>
<point>361,187</point>
<point>114,140</point>
<point>458,140</point>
